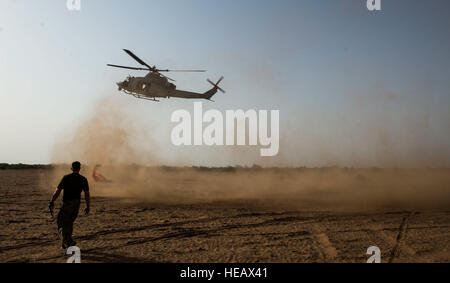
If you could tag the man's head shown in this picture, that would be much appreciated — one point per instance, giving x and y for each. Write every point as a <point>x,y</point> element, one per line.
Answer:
<point>76,166</point>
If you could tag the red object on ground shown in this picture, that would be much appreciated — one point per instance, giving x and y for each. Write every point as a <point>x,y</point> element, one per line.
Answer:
<point>99,177</point>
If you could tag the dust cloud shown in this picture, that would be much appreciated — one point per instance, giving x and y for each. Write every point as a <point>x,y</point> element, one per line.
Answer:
<point>113,139</point>
<point>108,136</point>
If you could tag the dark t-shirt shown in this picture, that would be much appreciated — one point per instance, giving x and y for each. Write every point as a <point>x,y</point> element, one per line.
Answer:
<point>72,185</point>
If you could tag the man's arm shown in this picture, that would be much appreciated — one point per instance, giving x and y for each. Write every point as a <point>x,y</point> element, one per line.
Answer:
<point>87,198</point>
<point>56,195</point>
<point>58,190</point>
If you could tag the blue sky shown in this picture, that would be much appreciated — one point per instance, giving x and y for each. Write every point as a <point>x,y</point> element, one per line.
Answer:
<point>353,87</point>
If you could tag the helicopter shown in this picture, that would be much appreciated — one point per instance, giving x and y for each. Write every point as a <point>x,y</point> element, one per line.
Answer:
<point>156,85</point>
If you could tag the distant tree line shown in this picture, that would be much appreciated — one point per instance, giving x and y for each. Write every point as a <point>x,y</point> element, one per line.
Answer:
<point>4,166</point>
<point>237,168</point>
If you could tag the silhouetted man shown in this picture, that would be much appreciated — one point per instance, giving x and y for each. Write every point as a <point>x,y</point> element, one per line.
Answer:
<point>72,185</point>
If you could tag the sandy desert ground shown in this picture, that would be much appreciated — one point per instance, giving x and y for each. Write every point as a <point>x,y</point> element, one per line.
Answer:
<point>312,215</point>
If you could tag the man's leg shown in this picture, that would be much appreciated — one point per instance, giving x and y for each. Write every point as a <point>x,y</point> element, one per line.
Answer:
<point>59,222</point>
<point>69,212</point>
<point>68,234</point>
<point>75,206</point>
<point>62,223</point>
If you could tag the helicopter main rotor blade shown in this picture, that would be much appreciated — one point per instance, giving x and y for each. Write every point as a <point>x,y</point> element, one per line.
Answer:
<point>153,69</point>
<point>125,67</point>
<point>167,77</point>
<point>166,70</point>
<point>138,59</point>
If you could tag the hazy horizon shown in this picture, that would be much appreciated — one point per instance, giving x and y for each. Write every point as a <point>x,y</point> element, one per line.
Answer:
<point>354,88</point>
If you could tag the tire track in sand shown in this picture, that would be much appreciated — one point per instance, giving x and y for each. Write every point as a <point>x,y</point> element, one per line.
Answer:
<point>401,237</point>
<point>326,250</point>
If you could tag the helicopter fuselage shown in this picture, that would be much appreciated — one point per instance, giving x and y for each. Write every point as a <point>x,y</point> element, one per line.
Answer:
<point>152,85</point>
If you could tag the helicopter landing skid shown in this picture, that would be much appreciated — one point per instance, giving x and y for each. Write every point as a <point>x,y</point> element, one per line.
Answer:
<point>141,96</point>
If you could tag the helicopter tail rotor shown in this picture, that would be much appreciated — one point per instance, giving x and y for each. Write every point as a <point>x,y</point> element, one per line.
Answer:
<point>211,92</point>
<point>216,85</point>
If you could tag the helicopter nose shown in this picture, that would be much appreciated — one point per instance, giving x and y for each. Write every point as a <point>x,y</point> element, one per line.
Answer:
<point>119,85</point>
